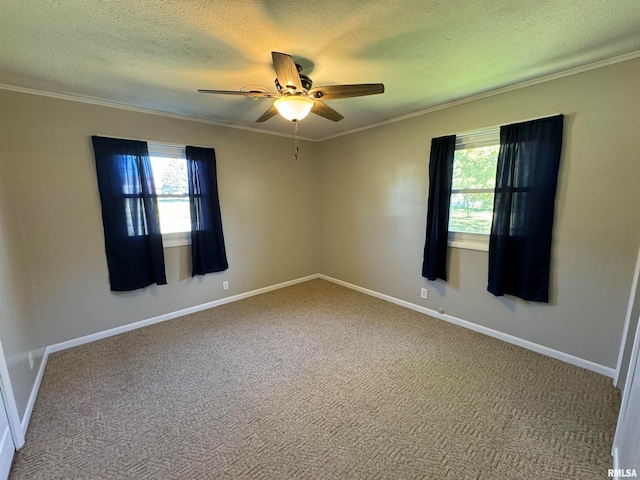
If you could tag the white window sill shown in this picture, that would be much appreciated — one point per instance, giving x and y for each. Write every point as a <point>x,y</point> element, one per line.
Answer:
<point>176,239</point>
<point>469,241</point>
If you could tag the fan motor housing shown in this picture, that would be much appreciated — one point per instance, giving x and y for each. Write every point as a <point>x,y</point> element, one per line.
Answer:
<point>306,82</point>
<point>296,89</point>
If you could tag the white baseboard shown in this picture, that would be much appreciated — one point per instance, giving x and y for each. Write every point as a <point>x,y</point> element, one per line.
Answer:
<point>133,326</point>
<point>171,315</point>
<point>580,362</point>
<point>550,352</point>
<point>26,418</point>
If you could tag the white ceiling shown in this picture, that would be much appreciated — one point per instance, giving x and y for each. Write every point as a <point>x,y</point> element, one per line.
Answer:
<point>156,54</point>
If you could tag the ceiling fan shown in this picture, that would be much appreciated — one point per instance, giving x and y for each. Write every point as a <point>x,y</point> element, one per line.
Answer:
<point>296,95</point>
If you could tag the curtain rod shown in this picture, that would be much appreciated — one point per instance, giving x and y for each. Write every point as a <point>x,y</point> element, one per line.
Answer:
<point>152,142</point>
<point>495,127</point>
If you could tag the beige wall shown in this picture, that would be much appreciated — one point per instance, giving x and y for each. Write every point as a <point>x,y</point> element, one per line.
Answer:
<point>374,191</point>
<point>20,331</point>
<point>268,202</point>
<point>352,208</point>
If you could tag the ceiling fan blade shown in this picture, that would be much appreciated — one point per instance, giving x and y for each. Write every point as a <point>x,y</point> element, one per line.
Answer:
<point>286,71</point>
<point>325,111</point>
<point>271,112</point>
<point>330,92</point>
<point>238,92</point>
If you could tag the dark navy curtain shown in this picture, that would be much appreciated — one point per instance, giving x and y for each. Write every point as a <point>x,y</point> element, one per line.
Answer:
<point>524,205</point>
<point>132,238</point>
<point>440,176</point>
<point>208,252</point>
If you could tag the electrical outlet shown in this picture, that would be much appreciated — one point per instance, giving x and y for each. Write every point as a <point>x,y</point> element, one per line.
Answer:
<point>424,293</point>
<point>30,356</point>
<point>225,285</point>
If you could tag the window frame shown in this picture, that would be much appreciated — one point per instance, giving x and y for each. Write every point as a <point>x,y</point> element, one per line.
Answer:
<point>164,150</point>
<point>475,139</point>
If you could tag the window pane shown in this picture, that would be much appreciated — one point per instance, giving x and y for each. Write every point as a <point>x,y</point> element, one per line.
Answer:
<point>170,175</point>
<point>471,212</point>
<point>174,215</point>
<point>170,178</point>
<point>475,167</point>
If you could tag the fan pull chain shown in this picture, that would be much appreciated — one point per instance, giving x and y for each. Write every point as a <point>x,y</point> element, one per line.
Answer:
<point>295,142</point>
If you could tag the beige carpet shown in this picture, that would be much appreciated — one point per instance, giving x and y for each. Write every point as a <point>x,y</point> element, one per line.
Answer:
<point>315,381</point>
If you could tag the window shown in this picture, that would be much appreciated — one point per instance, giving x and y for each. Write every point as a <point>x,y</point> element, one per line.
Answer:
<point>472,192</point>
<point>169,166</point>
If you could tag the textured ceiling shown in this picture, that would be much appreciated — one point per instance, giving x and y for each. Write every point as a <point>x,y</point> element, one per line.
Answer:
<point>156,54</point>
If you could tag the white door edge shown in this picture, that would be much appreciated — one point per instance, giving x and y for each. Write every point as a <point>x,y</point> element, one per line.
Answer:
<point>631,373</point>
<point>627,322</point>
<point>7,447</point>
<point>10,402</point>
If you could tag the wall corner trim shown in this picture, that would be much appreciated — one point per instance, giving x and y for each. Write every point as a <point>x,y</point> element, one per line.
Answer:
<point>550,352</point>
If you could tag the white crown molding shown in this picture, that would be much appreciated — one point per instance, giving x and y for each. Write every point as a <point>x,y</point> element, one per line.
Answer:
<point>490,93</point>
<point>107,103</point>
<point>497,91</point>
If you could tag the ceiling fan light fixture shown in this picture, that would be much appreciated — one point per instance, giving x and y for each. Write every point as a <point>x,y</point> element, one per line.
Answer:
<point>293,107</point>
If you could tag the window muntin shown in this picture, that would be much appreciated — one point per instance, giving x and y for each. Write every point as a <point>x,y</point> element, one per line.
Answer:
<point>473,185</point>
<point>169,166</point>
